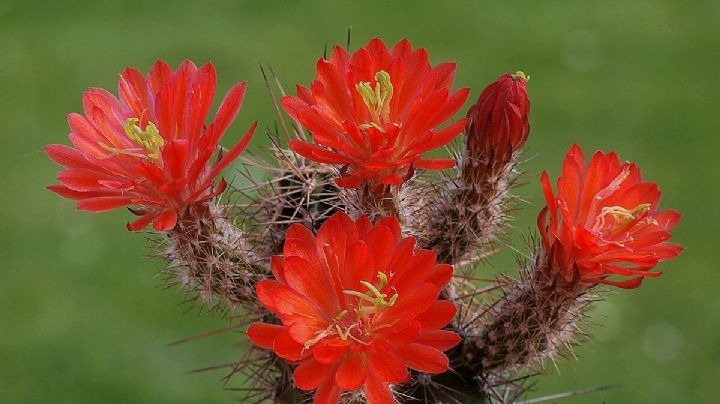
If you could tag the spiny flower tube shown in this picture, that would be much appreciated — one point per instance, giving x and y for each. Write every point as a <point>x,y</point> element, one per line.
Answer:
<point>605,222</point>
<point>150,148</point>
<point>498,122</point>
<point>376,112</point>
<point>469,213</point>
<point>358,305</point>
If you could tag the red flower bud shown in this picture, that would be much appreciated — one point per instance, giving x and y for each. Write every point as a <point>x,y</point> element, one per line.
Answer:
<point>498,122</point>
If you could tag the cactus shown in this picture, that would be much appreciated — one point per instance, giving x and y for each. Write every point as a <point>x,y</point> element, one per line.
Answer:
<point>355,271</point>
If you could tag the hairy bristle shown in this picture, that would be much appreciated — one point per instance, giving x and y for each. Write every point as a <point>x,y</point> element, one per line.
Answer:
<point>299,191</point>
<point>211,259</point>
<point>537,319</point>
<point>467,214</point>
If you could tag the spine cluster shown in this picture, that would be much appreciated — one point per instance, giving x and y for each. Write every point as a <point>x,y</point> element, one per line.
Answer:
<point>537,319</point>
<point>212,259</point>
<point>467,216</point>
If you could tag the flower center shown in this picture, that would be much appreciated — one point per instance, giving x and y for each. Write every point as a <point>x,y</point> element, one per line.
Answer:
<point>376,299</point>
<point>356,323</point>
<point>621,217</point>
<point>149,140</point>
<point>377,99</point>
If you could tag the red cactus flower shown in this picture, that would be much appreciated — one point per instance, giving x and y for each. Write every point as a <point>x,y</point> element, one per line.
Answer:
<point>376,112</point>
<point>605,222</point>
<point>358,306</point>
<point>498,122</point>
<point>149,148</point>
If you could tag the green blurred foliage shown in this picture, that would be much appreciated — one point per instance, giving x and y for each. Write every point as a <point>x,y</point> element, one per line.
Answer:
<point>83,318</point>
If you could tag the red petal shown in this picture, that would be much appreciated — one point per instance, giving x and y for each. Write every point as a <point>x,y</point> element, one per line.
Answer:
<point>287,348</point>
<point>263,335</point>
<point>67,156</point>
<point>350,182</point>
<point>409,305</point>
<point>423,358</point>
<point>438,315</point>
<point>549,199</point>
<point>378,392</point>
<point>358,266</point>
<point>351,373</point>
<point>133,91</point>
<point>387,368</point>
<point>142,222</point>
<point>313,283</point>
<point>158,76</point>
<point>441,276</point>
<point>633,283</point>
<point>228,158</point>
<point>80,180</point>
<point>327,353</point>
<point>666,251</point>
<point>301,248</point>
<point>391,180</point>
<point>381,244</point>
<point>327,393</point>
<point>445,135</point>
<point>66,192</point>
<point>175,156</point>
<point>293,304</point>
<point>293,105</point>
<point>440,339</point>
<point>166,221</point>
<point>264,290</point>
<point>311,373</point>
<point>435,164</point>
<point>317,153</point>
<point>301,232</point>
<point>414,271</point>
<point>104,203</point>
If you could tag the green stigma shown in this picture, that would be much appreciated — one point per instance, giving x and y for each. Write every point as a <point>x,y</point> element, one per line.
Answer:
<point>378,98</point>
<point>149,139</point>
<point>521,75</point>
<point>374,296</point>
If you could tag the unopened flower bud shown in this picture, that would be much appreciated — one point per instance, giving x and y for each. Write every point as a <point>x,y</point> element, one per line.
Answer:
<point>498,122</point>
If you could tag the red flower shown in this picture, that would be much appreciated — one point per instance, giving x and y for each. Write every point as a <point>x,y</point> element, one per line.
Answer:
<point>150,148</point>
<point>376,112</point>
<point>358,306</point>
<point>608,223</point>
<point>498,122</point>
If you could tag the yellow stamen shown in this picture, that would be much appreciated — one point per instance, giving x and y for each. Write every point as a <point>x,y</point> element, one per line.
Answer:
<point>332,328</point>
<point>522,75</point>
<point>370,125</point>
<point>377,299</point>
<point>115,150</point>
<point>620,215</point>
<point>149,139</point>
<point>377,99</point>
<point>383,280</point>
<point>322,334</point>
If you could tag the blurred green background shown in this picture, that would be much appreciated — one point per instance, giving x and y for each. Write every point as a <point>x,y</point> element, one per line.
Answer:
<point>83,318</point>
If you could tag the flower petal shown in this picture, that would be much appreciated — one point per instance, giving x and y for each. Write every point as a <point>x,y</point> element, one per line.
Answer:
<point>351,373</point>
<point>423,358</point>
